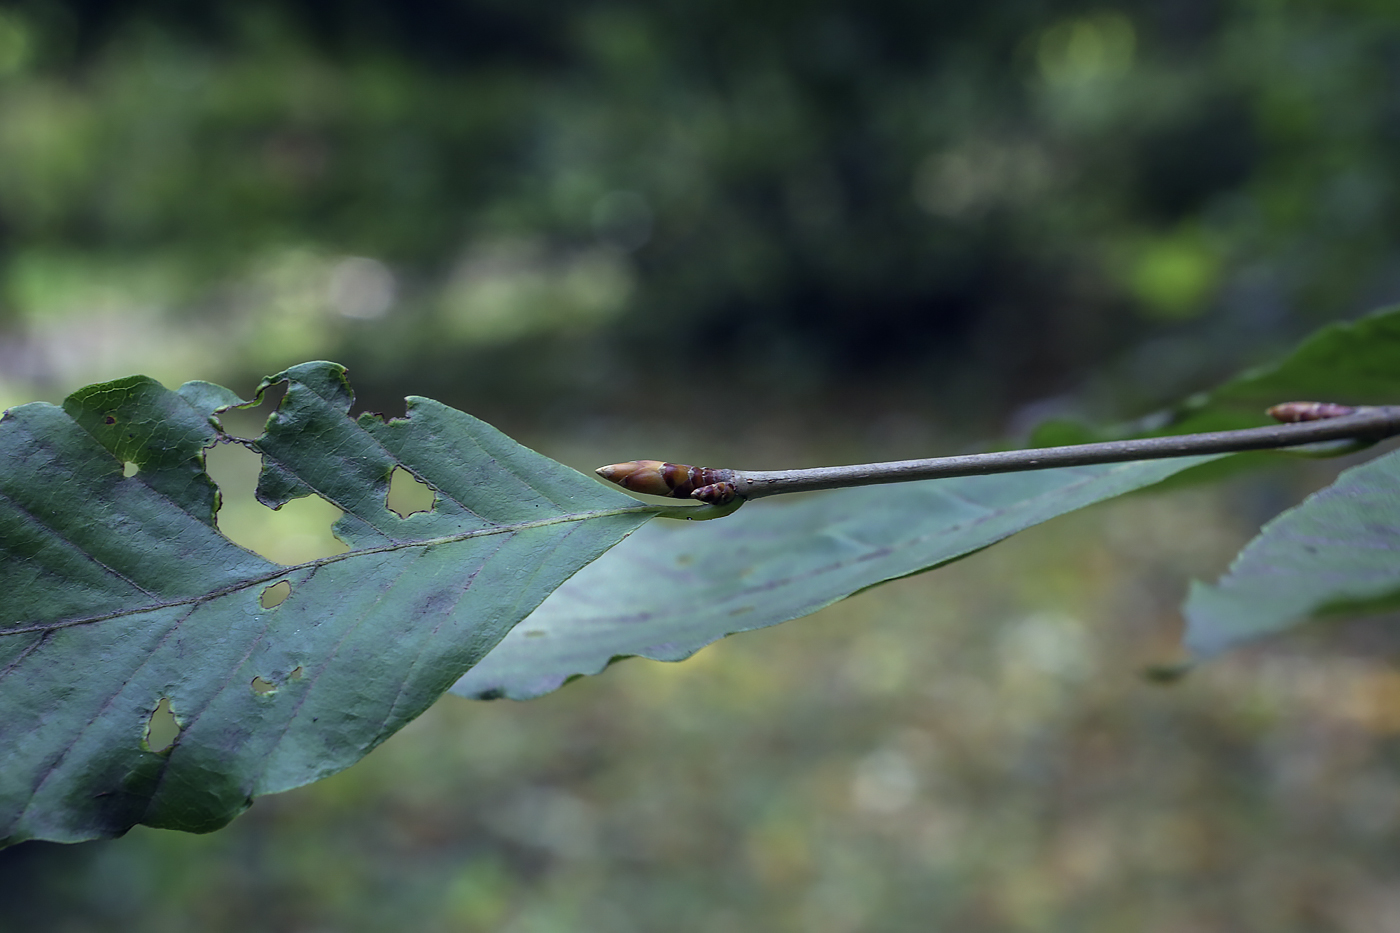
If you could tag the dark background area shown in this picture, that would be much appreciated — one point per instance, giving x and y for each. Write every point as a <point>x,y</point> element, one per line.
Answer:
<point>787,234</point>
<point>574,208</point>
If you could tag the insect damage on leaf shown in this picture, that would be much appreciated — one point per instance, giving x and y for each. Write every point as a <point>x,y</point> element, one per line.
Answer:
<point>275,594</point>
<point>145,656</point>
<point>162,728</point>
<point>408,494</point>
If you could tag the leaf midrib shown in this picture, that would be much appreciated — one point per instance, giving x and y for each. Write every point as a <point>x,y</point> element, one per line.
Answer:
<point>283,570</point>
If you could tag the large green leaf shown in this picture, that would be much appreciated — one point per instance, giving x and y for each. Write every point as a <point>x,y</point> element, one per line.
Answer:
<point>121,596</point>
<point>670,590</point>
<point>1338,552</point>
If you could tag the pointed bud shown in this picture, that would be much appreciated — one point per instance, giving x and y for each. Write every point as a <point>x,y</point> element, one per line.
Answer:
<point>656,478</point>
<point>648,476</point>
<point>1294,412</point>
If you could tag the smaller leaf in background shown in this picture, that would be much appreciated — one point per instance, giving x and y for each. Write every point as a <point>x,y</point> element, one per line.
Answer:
<point>1336,553</point>
<point>1351,362</point>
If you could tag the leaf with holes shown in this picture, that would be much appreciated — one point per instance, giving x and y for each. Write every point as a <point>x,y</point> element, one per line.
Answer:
<point>1337,553</point>
<point>151,671</point>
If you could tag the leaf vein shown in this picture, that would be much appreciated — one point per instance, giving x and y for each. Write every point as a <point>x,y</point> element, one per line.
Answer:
<point>55,534</point>
<point>57,763</point>
<point>316,676</point>
<point>418,659</point>
<point>322,561</point>
<point>184,729</point>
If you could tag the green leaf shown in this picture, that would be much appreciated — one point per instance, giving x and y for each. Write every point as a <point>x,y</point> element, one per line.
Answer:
<point>122,598</point>
<point>670,590</point>
<point>1336,553</point>
<point>1351,362</point>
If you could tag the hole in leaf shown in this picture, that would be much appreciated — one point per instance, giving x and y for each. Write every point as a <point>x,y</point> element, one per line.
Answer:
<point>162,729</point>
<point>129,468</point>
<point>408,494</point>
<point>263,687</point>
<point>384,407</point>
<point>296,673</point>
<point>297,532</point>
<point>250,422</point>
<point>274,594</point>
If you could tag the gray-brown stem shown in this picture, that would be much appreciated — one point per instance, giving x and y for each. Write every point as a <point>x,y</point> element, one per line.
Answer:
<point>1369,424</point>
<point>1308,423</point>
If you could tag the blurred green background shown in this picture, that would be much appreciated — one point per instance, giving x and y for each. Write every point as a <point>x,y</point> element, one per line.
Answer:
<point>767,234</point>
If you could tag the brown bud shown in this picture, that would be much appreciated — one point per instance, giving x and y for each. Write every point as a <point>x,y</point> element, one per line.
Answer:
<point>1294,412</point>
<point>720,493</point>
<point>646,476</point>
<point>656,478</point>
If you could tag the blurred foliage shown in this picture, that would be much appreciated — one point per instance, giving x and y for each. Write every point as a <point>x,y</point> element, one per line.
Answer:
<point>542,199</point>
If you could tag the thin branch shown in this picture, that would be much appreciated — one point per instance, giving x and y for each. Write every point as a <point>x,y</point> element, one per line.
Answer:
<point>1312,423</point>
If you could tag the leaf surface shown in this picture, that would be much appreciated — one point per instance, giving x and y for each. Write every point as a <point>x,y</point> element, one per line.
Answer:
<point>1351,362</point>
<point>1337,552</point>
<point>121,595</point>
<point>671,589</point>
